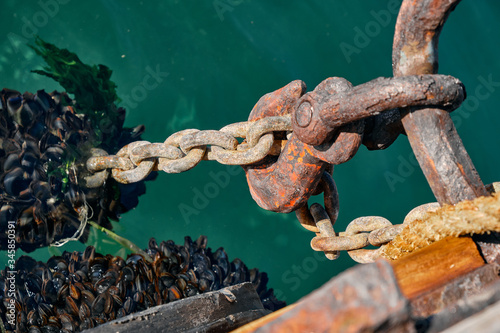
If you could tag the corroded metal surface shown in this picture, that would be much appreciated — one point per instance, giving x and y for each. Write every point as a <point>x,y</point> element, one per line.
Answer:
<point>384,235</point>
<point>374,297</point>
<point>489,245</point>
<point>465,308</point>
<point>287,183</point>
<point>143,169</point>
<point>324,218</point>
<point>317,116</point>
<point>183,150</point>
<point>432,135</point>
<point>463,286</point>
<point>362,299</point>
<point>100,176</point>
<point>486,321</point>
<point>361,232</point>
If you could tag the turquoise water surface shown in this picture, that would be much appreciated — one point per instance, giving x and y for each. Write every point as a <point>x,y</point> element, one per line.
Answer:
<point>208,62</point>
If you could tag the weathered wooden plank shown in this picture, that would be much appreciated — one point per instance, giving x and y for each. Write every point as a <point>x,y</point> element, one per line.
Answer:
<point>209,312</point>
<point>436,264</point>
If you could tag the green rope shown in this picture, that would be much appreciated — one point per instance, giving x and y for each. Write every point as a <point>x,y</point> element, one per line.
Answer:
<point>122,241</point>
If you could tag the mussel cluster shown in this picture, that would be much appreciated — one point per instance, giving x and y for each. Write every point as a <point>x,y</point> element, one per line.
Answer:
<point>78,290</point>
<point>44,143</point>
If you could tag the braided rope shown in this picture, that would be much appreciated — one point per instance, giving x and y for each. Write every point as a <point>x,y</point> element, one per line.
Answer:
<point>478,216</point>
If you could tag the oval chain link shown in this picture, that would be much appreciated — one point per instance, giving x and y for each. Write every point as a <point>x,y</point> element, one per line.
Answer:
<point>186,162</point>
<point>143,167</point>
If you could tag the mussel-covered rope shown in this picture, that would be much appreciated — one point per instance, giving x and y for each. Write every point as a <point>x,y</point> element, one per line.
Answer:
<point>83,217</point>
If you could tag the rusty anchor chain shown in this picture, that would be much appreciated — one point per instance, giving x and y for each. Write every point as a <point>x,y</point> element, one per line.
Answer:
<point>283,172</point>
<point>183,150</point>
<point>293,138</point>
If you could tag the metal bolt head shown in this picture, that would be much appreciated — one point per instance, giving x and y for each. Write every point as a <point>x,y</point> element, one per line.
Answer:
<point>303,115</point>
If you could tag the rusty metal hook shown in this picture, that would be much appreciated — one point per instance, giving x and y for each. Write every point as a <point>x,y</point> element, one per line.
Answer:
<point>285,184</point>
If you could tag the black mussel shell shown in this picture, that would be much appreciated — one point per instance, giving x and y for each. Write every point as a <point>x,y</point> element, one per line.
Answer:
<point>80,290</point>
<point>44,146</point>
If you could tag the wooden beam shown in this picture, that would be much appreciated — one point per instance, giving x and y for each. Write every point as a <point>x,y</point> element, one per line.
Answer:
<point>436,264</point>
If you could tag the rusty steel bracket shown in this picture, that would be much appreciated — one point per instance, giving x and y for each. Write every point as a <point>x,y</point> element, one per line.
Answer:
<point>285,184</point>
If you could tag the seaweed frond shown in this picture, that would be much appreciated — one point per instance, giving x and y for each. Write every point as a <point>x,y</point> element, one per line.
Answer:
<point>91,85</point>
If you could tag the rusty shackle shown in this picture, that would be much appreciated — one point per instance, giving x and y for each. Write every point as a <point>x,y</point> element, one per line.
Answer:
<point>329,125</point>
<point>317,116</point>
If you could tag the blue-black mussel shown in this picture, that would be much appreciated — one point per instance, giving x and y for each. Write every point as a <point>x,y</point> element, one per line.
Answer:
<point>75,291</point>
<point>44,144</point>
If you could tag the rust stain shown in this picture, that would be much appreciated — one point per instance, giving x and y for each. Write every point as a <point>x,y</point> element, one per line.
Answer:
<point>429,35</point>
<point>460,166</point>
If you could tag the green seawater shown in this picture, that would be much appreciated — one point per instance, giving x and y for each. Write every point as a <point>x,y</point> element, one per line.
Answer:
<point>206,63</point>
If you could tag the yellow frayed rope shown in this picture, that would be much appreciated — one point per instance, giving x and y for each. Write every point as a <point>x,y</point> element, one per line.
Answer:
<point>478,216</point>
